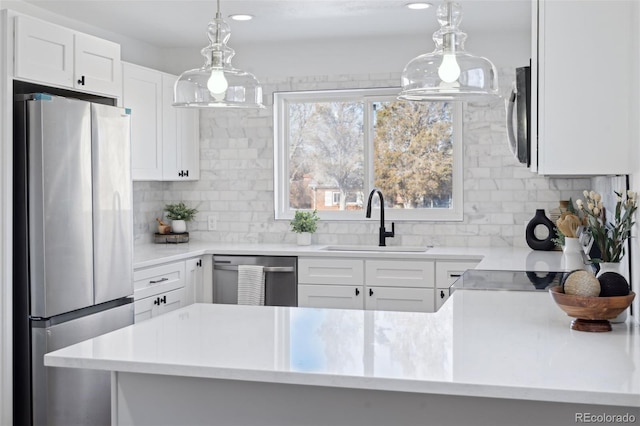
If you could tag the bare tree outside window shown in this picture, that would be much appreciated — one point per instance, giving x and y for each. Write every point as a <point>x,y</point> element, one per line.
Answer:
<point>326,151</point>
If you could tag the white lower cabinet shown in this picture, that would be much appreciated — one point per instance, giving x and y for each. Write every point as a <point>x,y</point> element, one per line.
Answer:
<point>150,307</point>
<point>385,284</point>
<point>447,272</point>
<point>330,296</point>
<point>399,299</point>
<point>166,287</point>
<point>194,276</point>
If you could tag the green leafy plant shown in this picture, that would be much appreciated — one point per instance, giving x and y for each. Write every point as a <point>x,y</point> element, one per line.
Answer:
<point>304,221</point>
<point>559,239</point>
<point>609,236</point>
<point>180,211</point>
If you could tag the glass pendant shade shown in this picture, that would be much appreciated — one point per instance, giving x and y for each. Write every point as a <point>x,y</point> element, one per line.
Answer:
<point>449,73</point>
<point>217,84</point>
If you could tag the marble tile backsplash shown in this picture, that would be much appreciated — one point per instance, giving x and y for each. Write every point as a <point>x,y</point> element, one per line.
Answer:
<point>236,183</point>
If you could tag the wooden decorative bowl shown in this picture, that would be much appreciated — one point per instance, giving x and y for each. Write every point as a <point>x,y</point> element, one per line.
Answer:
<point>591,313</point>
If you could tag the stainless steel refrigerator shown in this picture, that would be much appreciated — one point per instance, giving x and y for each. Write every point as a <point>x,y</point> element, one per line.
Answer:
<point>72,248</point>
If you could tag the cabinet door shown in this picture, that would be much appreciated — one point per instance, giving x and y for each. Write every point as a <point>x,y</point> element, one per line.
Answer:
<point>399,299</point>
<point>168,302</point>
<point>180,143</point>
<point>97,65</point>
<point>142,93</point>
<point>193,282</point>
<point>330,296</point>
<point>442,294</point>
<point>43,52</point>
<point>583,105</point>
<point>153,306</point>
<point>143,309</point>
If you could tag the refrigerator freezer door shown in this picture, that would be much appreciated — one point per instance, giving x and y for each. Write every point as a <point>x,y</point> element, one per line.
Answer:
<point>112,203</point>
<point>69,396</point>
<point>60,216</point>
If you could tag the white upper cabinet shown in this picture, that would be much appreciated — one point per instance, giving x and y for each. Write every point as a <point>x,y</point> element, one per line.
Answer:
<point>142,94</point>
<point>164,139</point>
<point>180,144</point>
<point>57,56</point>
<point>97,65</point>
<point>584,70</point>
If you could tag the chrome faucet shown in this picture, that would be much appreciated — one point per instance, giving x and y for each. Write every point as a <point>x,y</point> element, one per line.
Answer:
<point>383,232</point>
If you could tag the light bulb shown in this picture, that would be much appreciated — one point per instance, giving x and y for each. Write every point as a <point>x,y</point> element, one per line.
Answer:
<point>217,84</point>
<point>449,70</point>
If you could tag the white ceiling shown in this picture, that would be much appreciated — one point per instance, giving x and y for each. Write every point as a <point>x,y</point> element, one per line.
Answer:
<point>182,23</point>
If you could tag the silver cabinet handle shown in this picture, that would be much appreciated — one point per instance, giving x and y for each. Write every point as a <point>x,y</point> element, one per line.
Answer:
<point>158,281</point>
<point>266,268</point>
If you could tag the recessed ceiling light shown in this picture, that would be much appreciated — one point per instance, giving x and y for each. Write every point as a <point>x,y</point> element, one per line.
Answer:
<point>418,5</point>
<point>241,17</point>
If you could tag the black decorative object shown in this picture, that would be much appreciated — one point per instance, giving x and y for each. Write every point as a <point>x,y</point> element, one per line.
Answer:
<point>540,219</point>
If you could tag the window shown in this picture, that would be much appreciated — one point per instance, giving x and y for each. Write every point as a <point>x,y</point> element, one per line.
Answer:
<point>333,147</point>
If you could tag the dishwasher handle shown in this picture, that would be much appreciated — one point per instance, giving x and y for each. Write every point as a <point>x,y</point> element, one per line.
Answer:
<point>266,268</point>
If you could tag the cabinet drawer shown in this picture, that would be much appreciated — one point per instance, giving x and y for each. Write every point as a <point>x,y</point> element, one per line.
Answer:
<point>150,307</point>
<point>158,279</point>
<point>448,272</point>
<point>330,271</point>
<point>400,273</point>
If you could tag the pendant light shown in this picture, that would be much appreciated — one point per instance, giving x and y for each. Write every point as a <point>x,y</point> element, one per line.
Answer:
<point>449,72</point>
<point>217,84</point>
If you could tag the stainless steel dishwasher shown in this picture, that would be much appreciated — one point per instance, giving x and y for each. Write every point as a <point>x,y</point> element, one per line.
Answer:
<point>280,272</point>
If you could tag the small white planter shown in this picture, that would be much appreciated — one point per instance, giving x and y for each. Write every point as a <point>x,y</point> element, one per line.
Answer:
<point>304,238</point>
<point>178,226</point>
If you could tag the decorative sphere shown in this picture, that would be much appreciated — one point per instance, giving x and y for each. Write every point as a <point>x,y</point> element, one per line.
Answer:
<point>613,284</point>
<point>582,283</point>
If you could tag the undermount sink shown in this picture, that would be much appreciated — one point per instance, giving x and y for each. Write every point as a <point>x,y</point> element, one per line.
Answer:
<point>376,248</point>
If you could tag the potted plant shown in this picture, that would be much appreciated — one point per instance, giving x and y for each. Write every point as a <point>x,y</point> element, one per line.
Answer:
<point>610,237</point>
<point>305,223</point>
<point>179,214</point>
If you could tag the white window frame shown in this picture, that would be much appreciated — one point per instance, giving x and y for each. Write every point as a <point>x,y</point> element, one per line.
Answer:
<point>281,101</point>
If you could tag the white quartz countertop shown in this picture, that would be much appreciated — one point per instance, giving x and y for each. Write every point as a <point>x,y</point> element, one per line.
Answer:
<point>503,258</point>
<point>515,345</point>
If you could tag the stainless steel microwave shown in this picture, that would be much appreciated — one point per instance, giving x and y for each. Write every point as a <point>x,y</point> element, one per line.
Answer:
<point>519,116</point>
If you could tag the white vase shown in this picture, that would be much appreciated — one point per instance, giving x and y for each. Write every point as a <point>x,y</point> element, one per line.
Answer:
<point>572,255</point>
<point>304,238</point>
<point>613,267</point>
<point>178,226</point>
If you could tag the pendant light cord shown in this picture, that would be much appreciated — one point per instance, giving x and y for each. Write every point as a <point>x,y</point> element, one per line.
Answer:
<point>218,16</point>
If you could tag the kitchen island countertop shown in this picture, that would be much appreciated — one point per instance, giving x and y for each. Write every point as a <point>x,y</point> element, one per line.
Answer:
<point>495,344</point>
